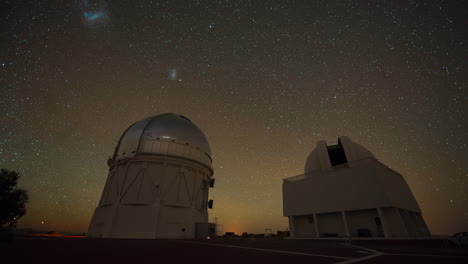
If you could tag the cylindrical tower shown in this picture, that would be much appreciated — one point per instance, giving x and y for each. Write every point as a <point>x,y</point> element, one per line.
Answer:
<point>158,182</point>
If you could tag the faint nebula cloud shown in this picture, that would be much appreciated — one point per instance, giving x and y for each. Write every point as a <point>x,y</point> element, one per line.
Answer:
<point>172,73</point>
<point>94,13</point>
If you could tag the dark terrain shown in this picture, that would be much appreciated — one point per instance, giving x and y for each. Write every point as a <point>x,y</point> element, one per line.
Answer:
<point>83,250</point>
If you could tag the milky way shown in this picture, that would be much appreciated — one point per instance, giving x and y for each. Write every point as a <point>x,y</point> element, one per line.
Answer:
<point>264,80</point>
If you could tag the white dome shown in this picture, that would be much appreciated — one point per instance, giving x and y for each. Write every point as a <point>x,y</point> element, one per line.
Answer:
<point>319,158</point>
<point>166,134</point>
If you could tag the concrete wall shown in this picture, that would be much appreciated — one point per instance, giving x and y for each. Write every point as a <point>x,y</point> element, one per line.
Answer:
<point>303,226</point>
<point>341,189</point>
<point>362,219</point>
<point>396,188</point>
<point>414,223</point>
<point>369,185</point>
<point>395,224</point>
<point>331,223</point>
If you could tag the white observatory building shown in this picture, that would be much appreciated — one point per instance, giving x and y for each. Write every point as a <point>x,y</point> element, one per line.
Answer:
<point>346,192</point>
<point>158,182</point>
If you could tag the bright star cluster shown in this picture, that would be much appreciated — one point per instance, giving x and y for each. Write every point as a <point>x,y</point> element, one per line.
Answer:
<point>264,80</point>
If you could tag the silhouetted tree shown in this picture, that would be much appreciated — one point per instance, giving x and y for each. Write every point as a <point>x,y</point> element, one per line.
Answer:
<point>12,201</point>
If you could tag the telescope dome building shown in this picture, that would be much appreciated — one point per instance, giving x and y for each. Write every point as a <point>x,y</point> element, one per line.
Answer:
<point>346,192</point>
<point>158,182</point>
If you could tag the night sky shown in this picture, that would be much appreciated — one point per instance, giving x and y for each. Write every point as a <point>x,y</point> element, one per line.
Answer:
<point>264,80</point>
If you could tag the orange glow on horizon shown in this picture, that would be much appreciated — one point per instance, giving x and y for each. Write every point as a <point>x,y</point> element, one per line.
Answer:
<point>56,235</point>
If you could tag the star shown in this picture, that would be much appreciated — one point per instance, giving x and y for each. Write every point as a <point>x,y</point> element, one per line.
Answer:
<point>269,82</point>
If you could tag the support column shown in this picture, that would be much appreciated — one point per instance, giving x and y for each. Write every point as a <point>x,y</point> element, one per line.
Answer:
<point>316,226</point>
<point>291,226</point>
<point>416,224</point>
<point>383,221</point>
<point>409,223</point>
<point>345,223</point>
<point>419,225</point>
<point>402,221</point>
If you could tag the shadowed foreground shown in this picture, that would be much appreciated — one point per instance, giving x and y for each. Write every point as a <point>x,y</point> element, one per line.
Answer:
<point>76,250</point>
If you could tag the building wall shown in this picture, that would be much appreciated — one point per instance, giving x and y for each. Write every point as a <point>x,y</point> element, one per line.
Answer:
<point>425,229</point>
<point>395,224</point>
<point>418,227</point>
<point>362,219</point>
<point>369,185</point>
<point>331,223</point>
<point>414,223</point>
<point>152,197</point>
<point>132,221</point>
<point>396,188</point>
<point>334,191</point>
<point>304,226</point>
<point>100,225</point>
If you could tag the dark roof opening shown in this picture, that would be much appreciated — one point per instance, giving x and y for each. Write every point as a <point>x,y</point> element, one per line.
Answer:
<point>336,154</point>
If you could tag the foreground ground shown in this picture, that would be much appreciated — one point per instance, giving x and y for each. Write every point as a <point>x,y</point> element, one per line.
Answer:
<point>82,250</point>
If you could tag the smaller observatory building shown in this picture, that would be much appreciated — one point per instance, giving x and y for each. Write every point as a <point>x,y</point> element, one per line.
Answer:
<point>346,192</point>
<point>158,182</point>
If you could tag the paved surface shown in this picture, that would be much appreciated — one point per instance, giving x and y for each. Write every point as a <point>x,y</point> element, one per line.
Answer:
<point>76,250</point>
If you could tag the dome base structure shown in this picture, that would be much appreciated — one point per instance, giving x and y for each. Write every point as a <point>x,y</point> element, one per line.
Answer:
<point>154,194</point>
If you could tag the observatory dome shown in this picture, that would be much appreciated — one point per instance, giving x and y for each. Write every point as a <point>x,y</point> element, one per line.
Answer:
<point>166,134</point>
<point>158,183</point>
<point>345,152</point>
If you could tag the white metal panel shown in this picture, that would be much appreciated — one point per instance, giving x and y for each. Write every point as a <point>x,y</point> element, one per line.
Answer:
<point>147,190</point>
<point>147,146</point>
<point>110,194</point>
<point>166,134</point>
<point>129,142</point>
<point>174,127</point>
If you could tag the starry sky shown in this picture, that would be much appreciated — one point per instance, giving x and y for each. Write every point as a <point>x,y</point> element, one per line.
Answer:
<point>264,80</point>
